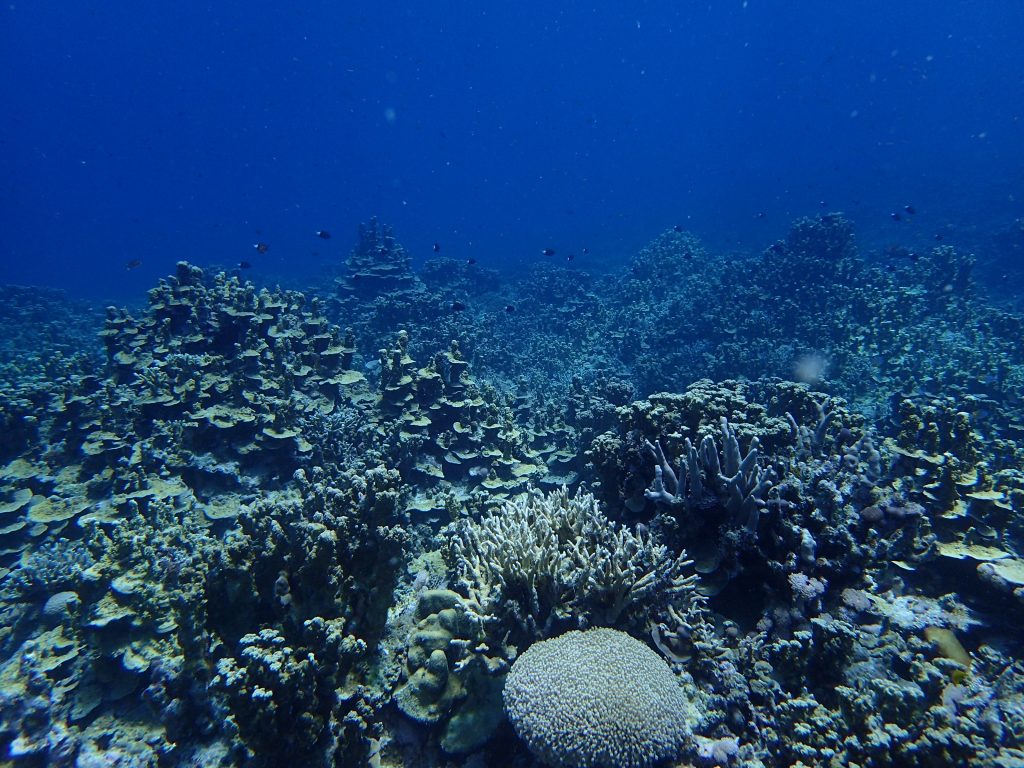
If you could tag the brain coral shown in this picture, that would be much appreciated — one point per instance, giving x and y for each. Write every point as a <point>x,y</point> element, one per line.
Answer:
<point>597,699</point>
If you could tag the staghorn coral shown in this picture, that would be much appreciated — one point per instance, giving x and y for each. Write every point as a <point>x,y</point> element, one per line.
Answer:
<point>547,562</point>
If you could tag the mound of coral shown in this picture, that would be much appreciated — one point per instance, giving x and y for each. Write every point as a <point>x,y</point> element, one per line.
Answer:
<point>597,699</point>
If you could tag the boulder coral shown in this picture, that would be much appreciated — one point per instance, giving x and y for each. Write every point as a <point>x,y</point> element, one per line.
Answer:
<point>597,699</point>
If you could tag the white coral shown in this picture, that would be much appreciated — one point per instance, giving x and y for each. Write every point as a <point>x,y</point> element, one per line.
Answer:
<point>546,558</point>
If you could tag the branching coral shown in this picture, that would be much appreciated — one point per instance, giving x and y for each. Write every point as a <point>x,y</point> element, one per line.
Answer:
<point>739,479</point>
<point>544,563</point>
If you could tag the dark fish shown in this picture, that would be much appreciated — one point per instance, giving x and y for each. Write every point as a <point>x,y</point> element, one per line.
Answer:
<point>323,234</point>
<point>133,264</point>
<point>261,247</point>
<point>895,216</point>
<point>509,308</point>
<point>677,228</point>
<point>548,252</point>
<point>458,306</point>
<point>761,214</point>
<point>437,247</point>
<point>585,251</point>
<point>910,209</point>
<point>570,257</point>
<point>244,265</point>
<point>471,262</point>
<point>939,236</point>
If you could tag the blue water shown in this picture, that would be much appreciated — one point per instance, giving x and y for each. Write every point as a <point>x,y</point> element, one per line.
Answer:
<point>163,131</point>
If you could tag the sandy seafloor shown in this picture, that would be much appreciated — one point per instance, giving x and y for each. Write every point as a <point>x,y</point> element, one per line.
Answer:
<point>701,510</point>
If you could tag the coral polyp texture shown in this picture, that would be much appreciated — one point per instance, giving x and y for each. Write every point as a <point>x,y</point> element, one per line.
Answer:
<point>706,509</point>
<point>597,699</point>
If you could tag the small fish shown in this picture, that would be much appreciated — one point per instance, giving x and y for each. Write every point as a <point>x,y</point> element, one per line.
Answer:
<point>585,251</point>
<point>570,257</point>
<point>437,247</point>
<point>470,262</point>
<point>910,209</point>
<point>677,228</point>
<point>458,306</point>
<point>895,216</point>
<point>134,263</point>
<point>323,234</point>
<point>244,265</point>
<point>510,308</point>
<point>548,252</point>
<point>261,247</point>
<point>761,214</point>
<point>939,237</point>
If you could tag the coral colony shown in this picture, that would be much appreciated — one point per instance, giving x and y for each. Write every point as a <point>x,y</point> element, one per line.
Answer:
<point>707,511</point>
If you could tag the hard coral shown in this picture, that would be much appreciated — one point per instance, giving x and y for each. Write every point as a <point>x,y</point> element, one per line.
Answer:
<point>550,562</point>
<point>597,699</point>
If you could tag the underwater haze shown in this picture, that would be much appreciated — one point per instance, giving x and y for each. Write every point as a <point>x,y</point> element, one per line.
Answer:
<point>512,386</point>
<point>159,132</point>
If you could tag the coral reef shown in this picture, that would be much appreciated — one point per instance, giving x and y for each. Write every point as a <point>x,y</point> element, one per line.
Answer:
<point>708,509</point>
<point>766,491</point>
